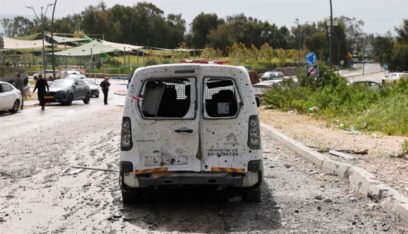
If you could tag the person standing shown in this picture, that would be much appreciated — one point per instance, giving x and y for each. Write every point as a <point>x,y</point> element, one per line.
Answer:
<point>41,85</point>
<point>19,84</point>
<point>105,89</point>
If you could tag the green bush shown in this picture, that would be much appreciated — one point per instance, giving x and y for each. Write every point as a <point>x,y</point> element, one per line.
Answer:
<point>330,96</point>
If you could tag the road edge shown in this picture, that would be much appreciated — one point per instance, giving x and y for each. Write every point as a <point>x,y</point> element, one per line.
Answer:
<point>393,202</point>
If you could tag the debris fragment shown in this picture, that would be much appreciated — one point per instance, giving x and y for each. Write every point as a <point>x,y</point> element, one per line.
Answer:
<point>93,168</point>
<point>342,155</point>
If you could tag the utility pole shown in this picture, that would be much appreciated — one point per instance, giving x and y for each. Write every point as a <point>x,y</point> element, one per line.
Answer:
<point>42,19</point>
<point>299,35</point>
<point>52,41</point>
<point>331,35</point>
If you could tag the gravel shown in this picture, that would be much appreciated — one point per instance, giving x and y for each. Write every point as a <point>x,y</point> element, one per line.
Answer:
<point>41,193</point>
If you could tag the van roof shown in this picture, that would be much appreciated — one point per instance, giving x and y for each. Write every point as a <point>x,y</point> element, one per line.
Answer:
<point>185,66</point>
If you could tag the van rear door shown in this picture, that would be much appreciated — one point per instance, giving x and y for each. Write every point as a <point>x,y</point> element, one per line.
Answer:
<point>223,129</point>
<point>166,134</point>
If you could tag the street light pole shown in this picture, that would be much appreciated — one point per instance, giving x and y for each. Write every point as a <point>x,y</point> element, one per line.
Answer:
<point>41,19</point>
<point>52,41</point>
<point>331,35</point>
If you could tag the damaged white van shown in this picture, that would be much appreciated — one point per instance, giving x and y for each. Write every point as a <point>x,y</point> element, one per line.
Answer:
<point>191,125</point>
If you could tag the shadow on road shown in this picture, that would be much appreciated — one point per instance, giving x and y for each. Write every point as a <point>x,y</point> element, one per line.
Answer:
<point>202,210</point>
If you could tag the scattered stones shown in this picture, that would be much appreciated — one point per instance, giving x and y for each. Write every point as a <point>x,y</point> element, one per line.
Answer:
<point>352,199</point>
<point>318,197</point>
<point>287,166</point>
<point>328,200</point>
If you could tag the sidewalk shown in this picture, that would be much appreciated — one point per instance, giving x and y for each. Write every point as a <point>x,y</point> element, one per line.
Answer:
<point>382,150</point>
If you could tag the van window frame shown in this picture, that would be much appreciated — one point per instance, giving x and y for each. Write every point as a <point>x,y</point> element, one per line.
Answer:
<point>144,81</point>
<point>240,102</point>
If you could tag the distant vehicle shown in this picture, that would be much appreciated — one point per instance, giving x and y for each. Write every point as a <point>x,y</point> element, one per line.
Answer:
<point>47,75</point>
<point>355,60</point>
<point>394,76</point>
<point>10,97</point>
<point>272,75</point>
<point>369,84</point>
<point>65,73</point>
<point>368,60</point>
<point>261,87</point>
<point>75,76</point>
<point>93,87</point>
<point>67,90</point>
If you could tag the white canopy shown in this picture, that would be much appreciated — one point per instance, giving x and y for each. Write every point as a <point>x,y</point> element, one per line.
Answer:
<point>97,47</point>
<point>16,44</point>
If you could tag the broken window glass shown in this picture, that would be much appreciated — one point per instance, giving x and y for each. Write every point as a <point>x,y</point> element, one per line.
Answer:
<point>220,97</point>
<point>167,98</point>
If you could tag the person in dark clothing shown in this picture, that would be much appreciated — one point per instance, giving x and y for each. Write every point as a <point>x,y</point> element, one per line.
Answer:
<point>105,89</point>
<point>19,84</point>
<point>41,85</point>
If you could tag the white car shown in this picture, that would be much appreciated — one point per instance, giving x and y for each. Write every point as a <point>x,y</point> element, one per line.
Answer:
<point>75,76</point>
<point>191,125</point>
<point>394,76</point>
<point>66,73</point>
<point>272,75</point>
<point>10,97</point>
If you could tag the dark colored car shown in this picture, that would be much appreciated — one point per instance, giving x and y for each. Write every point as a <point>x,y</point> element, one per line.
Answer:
<point>68,90</point>
<point>93,87</point>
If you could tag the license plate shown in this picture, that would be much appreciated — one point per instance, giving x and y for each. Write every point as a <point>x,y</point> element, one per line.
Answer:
<point>49,97</point>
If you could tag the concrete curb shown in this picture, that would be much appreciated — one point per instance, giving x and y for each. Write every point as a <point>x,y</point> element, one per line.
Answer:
<point>392,201</point>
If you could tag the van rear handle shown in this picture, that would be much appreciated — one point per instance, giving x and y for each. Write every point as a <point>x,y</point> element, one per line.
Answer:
<point>184,130</point>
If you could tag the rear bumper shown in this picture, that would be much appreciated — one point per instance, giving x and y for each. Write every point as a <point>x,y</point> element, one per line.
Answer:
<point>130,181</point>
<point>192,179</point>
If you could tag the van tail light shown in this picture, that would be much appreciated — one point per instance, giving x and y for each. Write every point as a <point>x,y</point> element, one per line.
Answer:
<point>126,136</point>
<point>254,134</point>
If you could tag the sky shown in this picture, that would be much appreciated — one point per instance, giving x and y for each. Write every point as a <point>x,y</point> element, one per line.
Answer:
<point>379,16</point>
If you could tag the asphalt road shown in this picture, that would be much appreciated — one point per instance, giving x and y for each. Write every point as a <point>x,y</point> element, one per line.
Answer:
<point>41,192</point>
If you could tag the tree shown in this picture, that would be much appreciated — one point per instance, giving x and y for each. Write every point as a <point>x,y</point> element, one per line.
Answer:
<point>399,60</point>
<point>383,48</point>
<point>221,37</point>
<point>200,29</point>
<point>18,26</point>
<point>177,27</point>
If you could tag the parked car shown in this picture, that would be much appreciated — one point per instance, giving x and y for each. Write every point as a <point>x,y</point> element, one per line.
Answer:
<point>68,90</point>
<point>10,97</point>
<point>370,85</point>
<point>272,75</point>
<point>93,87</point>
<point>69,72</point>
<point>394,76</point>
<point>191,125</point>
<point>261,87</point>
<point>47,75</point>
<point>75,76</point>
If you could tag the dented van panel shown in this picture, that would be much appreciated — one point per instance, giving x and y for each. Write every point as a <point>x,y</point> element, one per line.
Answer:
<point>187,121</point>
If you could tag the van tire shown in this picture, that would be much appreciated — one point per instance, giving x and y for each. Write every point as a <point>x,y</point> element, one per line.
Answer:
<point>127,198</point>
<point>252,194</point>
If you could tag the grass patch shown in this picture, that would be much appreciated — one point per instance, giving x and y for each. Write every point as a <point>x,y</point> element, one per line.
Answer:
<point>349,106</point>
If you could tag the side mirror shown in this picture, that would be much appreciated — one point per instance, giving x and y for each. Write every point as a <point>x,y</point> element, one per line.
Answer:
<point>258,101</point>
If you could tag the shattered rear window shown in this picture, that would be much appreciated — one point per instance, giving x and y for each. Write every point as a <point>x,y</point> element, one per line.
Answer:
<point>166,98</point>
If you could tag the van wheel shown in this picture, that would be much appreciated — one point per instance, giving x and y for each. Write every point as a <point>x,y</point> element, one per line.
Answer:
<point>127,197</point>
<point>252,194</point>
<point>16,106</point>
